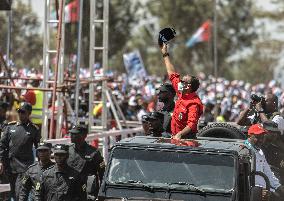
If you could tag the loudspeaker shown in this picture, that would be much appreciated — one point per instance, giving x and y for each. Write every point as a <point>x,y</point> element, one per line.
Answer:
<point>5,4</point>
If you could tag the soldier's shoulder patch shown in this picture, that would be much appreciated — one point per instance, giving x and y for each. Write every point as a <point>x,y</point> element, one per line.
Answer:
<point>35,126</point>
<point>84,188</point>
<point>102,164</point>
<point>37,187</point>
<point>24,180</point>
<point>12,123</point>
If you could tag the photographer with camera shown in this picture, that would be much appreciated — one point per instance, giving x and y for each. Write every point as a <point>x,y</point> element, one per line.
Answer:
<point>260,110</point>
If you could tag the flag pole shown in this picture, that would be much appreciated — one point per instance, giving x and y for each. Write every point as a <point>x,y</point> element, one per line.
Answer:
<point>215,51</point>
<point>78,60</point>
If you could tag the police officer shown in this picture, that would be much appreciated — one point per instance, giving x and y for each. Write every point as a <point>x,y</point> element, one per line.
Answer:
<point>274,149</point>
<point>3,124</point>
<point>61,182</point>
<point>16,147</point>
<point>86,159</point>
<point>166,95</point>
<point>155,122</point>
<point>32,177</point>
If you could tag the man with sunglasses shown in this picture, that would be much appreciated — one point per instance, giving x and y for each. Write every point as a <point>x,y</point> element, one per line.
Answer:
<point>188,107</point>
<point>32,178</point>
<point>16,148</point>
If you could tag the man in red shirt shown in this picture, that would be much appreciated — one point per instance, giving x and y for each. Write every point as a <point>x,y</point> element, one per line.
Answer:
<point>188,107</point>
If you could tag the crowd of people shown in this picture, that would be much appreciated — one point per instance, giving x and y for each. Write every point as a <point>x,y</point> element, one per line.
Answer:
<point>174,107</point>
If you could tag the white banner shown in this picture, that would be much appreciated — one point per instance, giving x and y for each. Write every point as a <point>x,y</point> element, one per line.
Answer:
<point>134,65</point>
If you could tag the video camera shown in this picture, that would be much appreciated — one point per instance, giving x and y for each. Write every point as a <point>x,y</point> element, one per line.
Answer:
<point>256,99</point>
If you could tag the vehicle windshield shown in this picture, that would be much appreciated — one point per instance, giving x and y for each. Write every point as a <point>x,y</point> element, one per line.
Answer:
<point>203,170</point>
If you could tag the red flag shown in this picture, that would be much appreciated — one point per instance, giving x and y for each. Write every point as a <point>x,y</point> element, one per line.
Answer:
<point>201,35</point>
<point>72,12</point>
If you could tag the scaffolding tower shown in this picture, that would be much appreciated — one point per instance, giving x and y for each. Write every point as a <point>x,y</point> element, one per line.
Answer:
<point>59,67</point>
<point>96,22</point>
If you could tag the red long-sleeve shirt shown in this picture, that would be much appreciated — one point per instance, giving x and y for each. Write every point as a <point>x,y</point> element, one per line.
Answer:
<point>188,108</point>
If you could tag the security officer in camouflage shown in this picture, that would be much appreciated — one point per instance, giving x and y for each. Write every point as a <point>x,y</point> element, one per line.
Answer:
<point>166,95</point>
<point>86,159</point>
<point>32,177</point>
<point>3,124</point>
<point>155,125</point>
<point>16,148</point>
<point>61,182</point>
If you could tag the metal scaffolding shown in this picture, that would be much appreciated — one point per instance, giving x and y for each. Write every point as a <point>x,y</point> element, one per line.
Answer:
<point>54,83</point>
<point>58,71</point>
<point>94,21</point>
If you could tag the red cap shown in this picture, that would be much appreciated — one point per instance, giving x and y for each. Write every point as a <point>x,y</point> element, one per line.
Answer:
<point>257,129</point>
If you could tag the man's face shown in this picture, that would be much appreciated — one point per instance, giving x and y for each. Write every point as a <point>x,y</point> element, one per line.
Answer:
<point>77,138</point>
<point>60,158</point>
<point>145,125</point>
<point>257,140</point>
<point>43,154</point>
<point>163,96</point>
<point>24,115</point>
<point>270,104</point>
<point>186,84</point>
<point>155,125</point>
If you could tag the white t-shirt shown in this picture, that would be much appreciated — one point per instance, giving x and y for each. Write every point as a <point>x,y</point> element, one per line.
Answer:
<point>262,166</point>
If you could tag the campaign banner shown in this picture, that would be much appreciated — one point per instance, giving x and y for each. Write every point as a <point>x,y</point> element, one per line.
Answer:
<point>134,65</point>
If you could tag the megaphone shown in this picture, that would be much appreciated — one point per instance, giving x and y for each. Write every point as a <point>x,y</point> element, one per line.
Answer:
<point>165,35</point>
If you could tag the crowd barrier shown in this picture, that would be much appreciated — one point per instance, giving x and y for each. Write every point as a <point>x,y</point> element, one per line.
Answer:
<point>92,136</point>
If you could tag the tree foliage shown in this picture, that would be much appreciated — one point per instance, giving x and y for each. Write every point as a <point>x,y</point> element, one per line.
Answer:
<point>234,30</point>
<point>121,21</point>
<point>26,42</point>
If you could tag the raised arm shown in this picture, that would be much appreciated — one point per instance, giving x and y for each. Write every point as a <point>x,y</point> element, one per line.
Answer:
<point>169,66</point>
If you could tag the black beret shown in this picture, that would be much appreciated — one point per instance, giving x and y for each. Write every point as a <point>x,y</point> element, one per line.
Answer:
<point>166,87</point>
<point>61,148</point>
<point>25,106</point>
<point>156,115</point>
<point>44,145</point>
<point>79,129</point>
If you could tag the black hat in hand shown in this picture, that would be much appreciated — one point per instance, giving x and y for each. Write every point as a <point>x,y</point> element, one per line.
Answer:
<point>165,35</point>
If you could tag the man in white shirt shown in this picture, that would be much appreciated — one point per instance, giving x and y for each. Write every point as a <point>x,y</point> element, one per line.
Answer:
<point>256,138</point>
